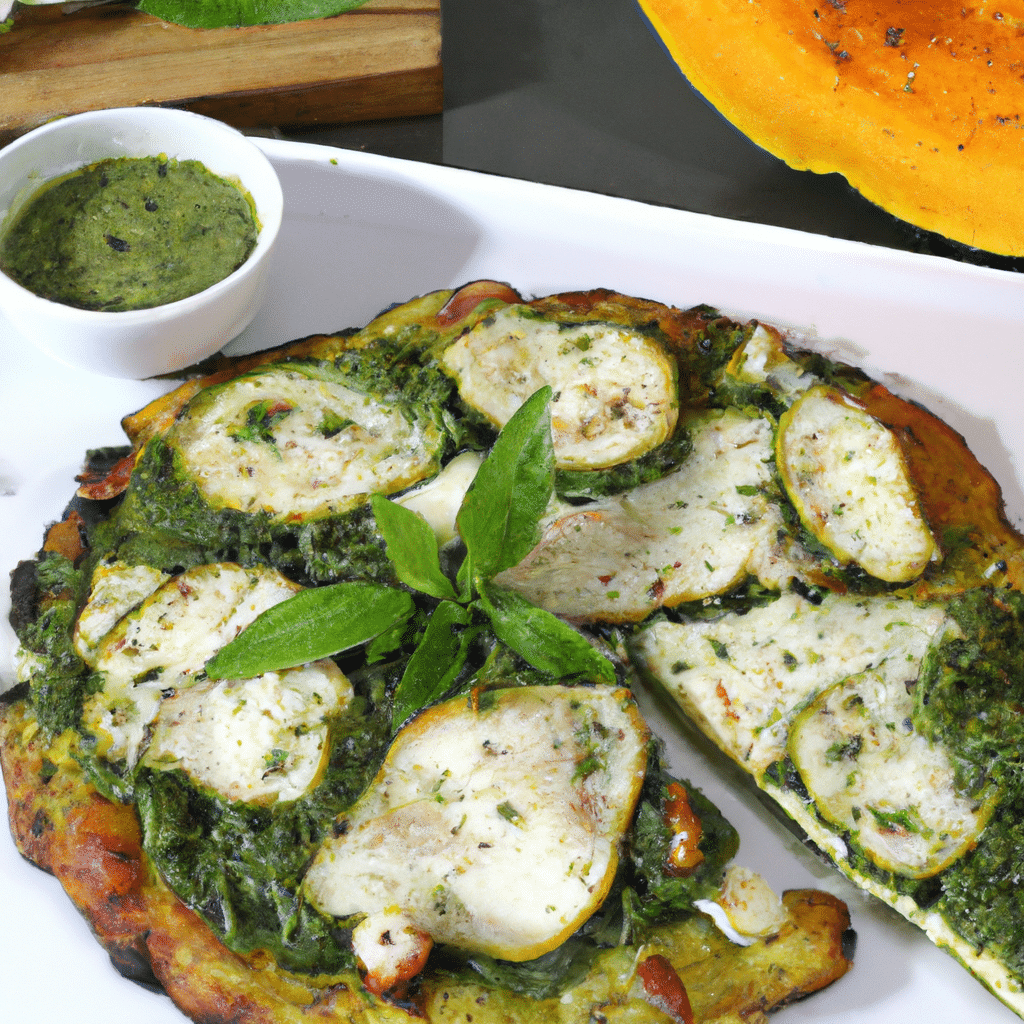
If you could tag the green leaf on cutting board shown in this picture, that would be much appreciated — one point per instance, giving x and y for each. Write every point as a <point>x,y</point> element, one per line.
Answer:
<point>235,13</point>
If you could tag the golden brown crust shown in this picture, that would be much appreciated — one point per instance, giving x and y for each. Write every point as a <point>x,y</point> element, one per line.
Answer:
<point>957,493</point>
<point>93,847</point>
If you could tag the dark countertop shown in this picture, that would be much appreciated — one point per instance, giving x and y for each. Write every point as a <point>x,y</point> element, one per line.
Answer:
<point>581,93</point>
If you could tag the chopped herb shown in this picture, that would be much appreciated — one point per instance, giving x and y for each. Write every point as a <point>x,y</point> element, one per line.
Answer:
<point>721,651</point>
<point>511,815</point>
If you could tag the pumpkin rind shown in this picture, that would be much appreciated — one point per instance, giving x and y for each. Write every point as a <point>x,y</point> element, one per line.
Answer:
<point>918,105</point>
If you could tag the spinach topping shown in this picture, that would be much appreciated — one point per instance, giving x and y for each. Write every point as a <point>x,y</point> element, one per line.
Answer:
<point>164,521</point>
<point>578,485</point>
<point>239,865</point>
<point>981,893</point>
<point>970,698</point>
<point>970,695</point>
<point>47,593</point>
<point>654,894</point>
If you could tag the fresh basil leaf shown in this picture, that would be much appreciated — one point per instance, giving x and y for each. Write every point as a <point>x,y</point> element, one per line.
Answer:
<point>543,639</point>
<point>412,548</point>
<point>312,624</point>
<point>499,514</point>
<point>464,579</point>
<point>232,13</point>
<point>435,663</point>
<point>393,638</point>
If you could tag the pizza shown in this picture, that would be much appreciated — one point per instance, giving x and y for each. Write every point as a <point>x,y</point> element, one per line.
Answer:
<point>326,706</point>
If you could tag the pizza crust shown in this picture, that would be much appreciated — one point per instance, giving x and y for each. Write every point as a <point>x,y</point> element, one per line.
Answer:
<point>93,847</point>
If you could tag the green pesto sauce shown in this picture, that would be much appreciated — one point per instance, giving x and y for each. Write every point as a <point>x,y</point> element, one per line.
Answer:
<point>129,233</point>
<point>970,698</point>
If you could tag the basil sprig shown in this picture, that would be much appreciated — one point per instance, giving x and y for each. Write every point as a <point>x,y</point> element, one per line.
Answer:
<point>500,512</point>
<point>311,625</point>
<point>499,525</point>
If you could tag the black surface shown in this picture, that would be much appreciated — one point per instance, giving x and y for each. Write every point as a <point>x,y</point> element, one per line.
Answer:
<point>582,93</point>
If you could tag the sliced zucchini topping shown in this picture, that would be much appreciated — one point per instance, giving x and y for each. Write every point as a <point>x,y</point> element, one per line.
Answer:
<point>846,476</point>
<point>742,677</point>
<point>615,388</point>
<point>870,773</point>
<point>115,589</point>
<point>763,360</point>
<point>297,442</point>
<point>697,532</point>
<point>509,817</point>
<point>256,740</point>
<point>158,651</point>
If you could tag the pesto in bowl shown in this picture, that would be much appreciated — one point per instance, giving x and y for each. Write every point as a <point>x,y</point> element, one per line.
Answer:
<point>158,333</point>
<point>129,233</point>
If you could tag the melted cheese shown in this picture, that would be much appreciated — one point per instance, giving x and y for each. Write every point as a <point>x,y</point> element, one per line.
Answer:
<point>614,389</point>
<point>749,905</point>
<point>320,447</point>
<point>115,589</point>
<point>255,740</point>
<point>873,776</point>
<point>497,829</point>
<point>845,474</point>
<point>249,739</point>
<point>438,500</point>
<point>743,677</point>
<point>692,534</point>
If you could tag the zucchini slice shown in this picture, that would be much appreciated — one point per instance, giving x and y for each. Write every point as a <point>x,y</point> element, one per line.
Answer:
<point>256,740</point>
<point>870,773</point>
<point>509,817</point>
<point>763,360</point>
<point>114,590</point>
<point>296,442</point>
<point>615,394</point>
<point>846,476</point>
<point>694,533</point>
<point>743,677</point>
<point>159,649</point>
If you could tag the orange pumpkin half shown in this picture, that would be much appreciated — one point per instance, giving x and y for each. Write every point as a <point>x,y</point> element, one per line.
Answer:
<point>919,104</point>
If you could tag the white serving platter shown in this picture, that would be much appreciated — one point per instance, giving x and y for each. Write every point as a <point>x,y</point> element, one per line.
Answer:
<point>362,232</point>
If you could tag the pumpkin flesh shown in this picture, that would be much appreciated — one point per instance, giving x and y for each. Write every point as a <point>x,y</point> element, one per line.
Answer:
<point>917,105</point>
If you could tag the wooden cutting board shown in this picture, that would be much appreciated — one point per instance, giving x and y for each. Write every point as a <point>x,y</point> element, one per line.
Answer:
<point>380,60</point>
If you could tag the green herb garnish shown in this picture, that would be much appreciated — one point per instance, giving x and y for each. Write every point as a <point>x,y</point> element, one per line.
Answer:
<point>498,522</point>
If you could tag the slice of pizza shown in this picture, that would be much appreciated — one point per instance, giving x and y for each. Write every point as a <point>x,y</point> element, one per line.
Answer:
<point>297,748</point>
<point>827,584</point>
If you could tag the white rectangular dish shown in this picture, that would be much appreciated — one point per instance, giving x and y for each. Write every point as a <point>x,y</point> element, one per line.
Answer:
<point>362,232</point>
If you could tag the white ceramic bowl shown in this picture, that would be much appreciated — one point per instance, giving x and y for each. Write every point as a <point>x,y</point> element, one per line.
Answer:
<point>145,342</point>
